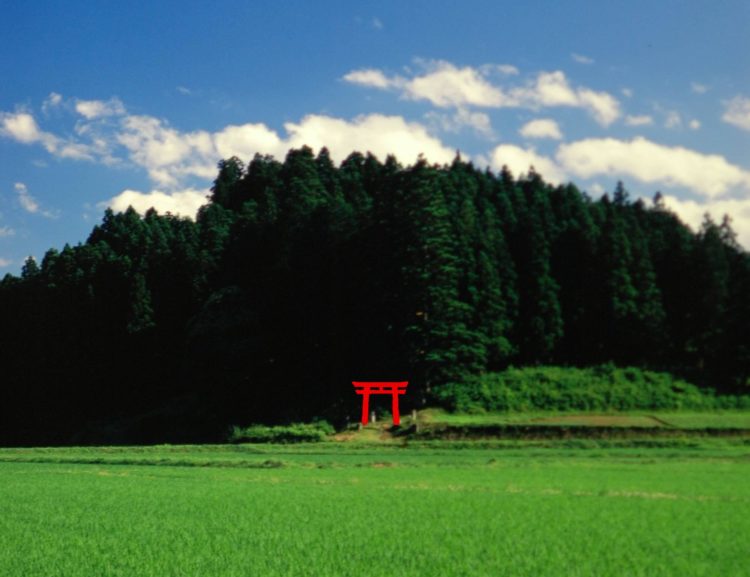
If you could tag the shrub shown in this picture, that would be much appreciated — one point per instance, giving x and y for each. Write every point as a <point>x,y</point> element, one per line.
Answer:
<point>600,388</point>
<point>294,433</point>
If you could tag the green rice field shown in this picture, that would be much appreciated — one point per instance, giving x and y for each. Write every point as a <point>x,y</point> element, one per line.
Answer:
<point>686,420</point>
<point>335,508</point>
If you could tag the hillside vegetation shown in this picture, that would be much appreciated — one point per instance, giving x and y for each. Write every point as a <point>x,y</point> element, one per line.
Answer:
<point>600,388</point>
<point>300,276</point>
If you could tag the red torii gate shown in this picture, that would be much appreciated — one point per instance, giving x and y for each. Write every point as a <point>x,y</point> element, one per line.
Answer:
<point>380,388</point>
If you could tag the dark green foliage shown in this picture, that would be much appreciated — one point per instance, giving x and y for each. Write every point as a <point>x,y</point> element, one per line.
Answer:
<point>300,276</point>
<point>600,388</point>
<point>294,433</point>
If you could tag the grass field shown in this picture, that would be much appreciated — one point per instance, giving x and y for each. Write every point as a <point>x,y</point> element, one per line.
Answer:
<point>439,509</point>
<point>730,419</point>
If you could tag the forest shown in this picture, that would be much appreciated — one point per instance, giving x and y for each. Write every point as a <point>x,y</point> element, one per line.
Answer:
<point>300,276</point>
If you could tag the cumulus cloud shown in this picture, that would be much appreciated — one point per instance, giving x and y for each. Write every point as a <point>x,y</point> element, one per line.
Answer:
<point>553,89</point>
<point>170,155</point>
<point>604,107</point>
<point>4,262</point>
<point>541,128</point>
<point>166,153</point>
<point>376,133</point>
<point>581,59</point>
<point>695,124</point>
<point>519,160</point>
<point>549,89</point>
<point>91,109</point>
<point>183,202</point>
<point>22,127</point>
<point>627,92</point>
<point>479,122</point>
<point>707,175</point>
<point>448,86</point>
<point>737,112</point>
<point>444,85</point>
<point>6,231</point>
<point>245,140</point>
<point>639,120</point>
<point>370,77</point>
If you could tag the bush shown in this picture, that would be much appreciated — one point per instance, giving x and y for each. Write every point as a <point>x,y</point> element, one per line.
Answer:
<point>294,433</point>
<point>600,388</point>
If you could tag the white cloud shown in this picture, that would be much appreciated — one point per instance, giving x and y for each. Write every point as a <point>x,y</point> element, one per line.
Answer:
<point>183,202</point>
<point>91,109</point>
<point>581,59</point>
<point>165,152</point>
<point>52,101</point>
<point>184,90</point>
<point>377,24</point>
<point>694,124</point>
<point>504,69</point>
<point>22,127</point>
<point>553,89</point>
<point>541,128</point>
<point>370,77</point>
<point>4,262</point>
<point>627,92</point>
<point>169,155</point>
<point>604,107</point>
<point>698,88</point>
<point>246,140</point>
<point>549,89</point>
<point>640,120</point>
<point>692,212</point>
<point>737,112</point>
<point>519,160</point>
<point>704,174</point>
<point>479,122</point>
<point>6,232</point>
<point>448,86</point>
<point>29,203</point>
<point>673,120</point>
<point>375,133</point>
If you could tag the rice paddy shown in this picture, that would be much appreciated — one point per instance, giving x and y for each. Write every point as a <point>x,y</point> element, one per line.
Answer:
<point>332,508</point>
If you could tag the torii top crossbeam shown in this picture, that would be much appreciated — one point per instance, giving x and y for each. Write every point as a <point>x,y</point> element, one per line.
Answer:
<point>367,388</point>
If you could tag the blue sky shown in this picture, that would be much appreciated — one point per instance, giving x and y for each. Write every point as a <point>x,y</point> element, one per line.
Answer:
<point>112,103</point>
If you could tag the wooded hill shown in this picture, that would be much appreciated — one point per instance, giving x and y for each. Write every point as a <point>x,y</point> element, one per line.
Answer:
<point>300,276</point>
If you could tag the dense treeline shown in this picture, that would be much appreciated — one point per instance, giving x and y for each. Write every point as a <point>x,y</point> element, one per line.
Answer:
<point>300,276</point>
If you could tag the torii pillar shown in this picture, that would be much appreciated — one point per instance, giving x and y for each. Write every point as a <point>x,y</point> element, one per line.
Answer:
<point>366,388</point>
